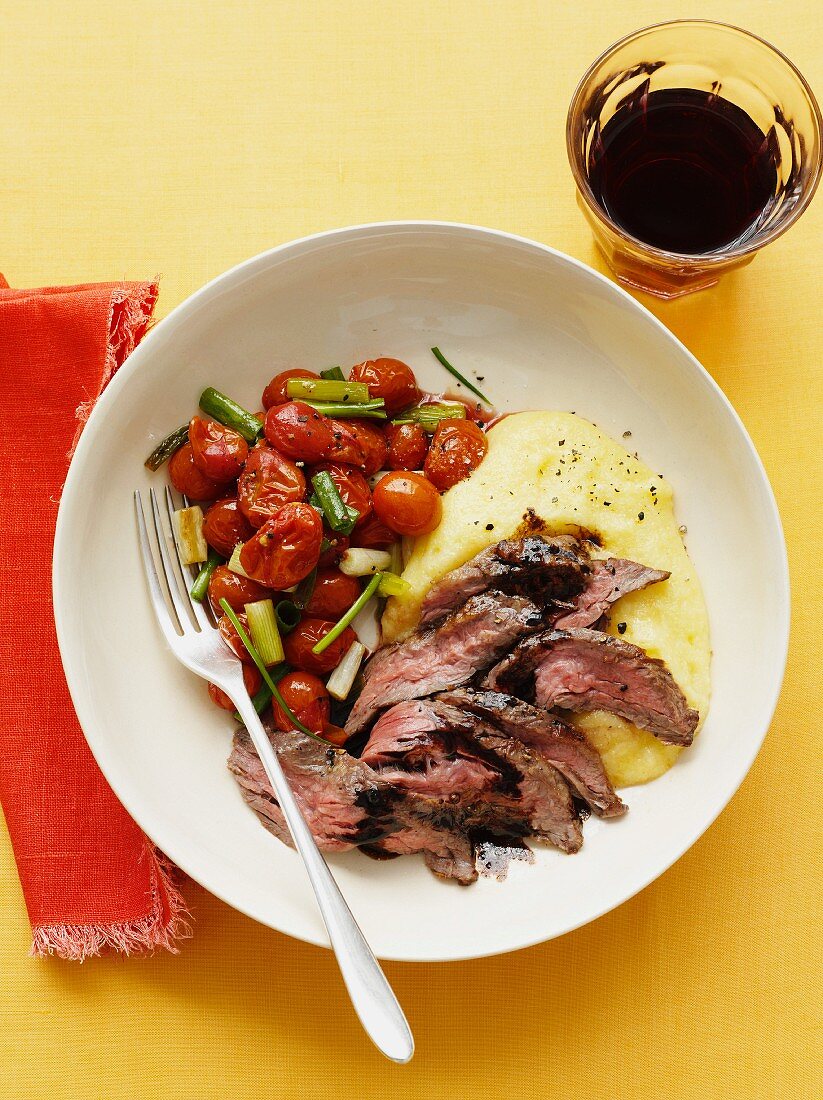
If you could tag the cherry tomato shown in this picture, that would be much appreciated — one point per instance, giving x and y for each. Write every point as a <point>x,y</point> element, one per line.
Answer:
<point>390,379</point>
<point>306,697</point>
<point>373,535</point>
<point>224,525</point>
<point>338,545</point>
<point>350,484</point>
<point>229,634</point>
<point>237,591</point>
<point>458,448</point>
<point>301,432</point>
<point>275,392</point>
<point>298,646</point>
<point>218,451</point>
<point>286,548</point>
<point>251,678</point>
<point>335,735</point>
<point>407,503</point>
<point>333,594</point>
<point>189,479</point>
<point>267,483</point>
<point>373,441</point>
<point>408,446</point>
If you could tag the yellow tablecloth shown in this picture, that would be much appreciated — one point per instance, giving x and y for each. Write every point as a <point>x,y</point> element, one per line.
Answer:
<point>182,138</point>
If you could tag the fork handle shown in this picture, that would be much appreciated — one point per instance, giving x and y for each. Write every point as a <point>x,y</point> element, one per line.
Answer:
<point>372,996</point>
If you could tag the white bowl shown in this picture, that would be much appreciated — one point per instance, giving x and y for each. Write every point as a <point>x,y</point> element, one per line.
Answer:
<point>545,332</point>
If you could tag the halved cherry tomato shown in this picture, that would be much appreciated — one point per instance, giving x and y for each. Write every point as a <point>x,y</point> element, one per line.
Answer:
<point>408,446</point>
<point>286,548</point>
<point>229,634</point>
<point>189,479</point>
<point>275,392</point>
<point>333,594</point>
<point>338,545</point>
<point>373,441</point>
<point>335,735</point>
<point>407,503</point>
<point>298,646</point>
<point>218,451</point>
<point>390,379</point>
<point>301,432</point>
<point>267,483</point>
<point>224,525</point>
<point>306,697</point>
<point>373,534</point>
<point>458,447</point>
<point>251,678</point>
<point>351,485</point>
<point>237,591</point>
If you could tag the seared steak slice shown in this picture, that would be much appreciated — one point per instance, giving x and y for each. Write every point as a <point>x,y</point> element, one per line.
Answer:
<point>607,581</point>
<point>445,656</point>
<point>512,789</point>
<point>587,670</point>
<point>545,570</point>
<point>562,746</point>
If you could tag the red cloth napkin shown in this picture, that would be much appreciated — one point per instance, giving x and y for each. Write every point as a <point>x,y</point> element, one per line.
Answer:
<point>91,880</point>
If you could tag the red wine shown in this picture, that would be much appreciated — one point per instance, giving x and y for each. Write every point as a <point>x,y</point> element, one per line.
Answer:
<point>683,170</point>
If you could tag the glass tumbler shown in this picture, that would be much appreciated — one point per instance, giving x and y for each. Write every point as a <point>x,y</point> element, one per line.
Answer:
<point>711,58</point>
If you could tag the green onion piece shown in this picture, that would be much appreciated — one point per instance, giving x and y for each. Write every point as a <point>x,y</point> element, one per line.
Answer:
<point>333,374</point>
<point>305,590</point>
<point>264,672</point>
<point>288,615</point>
<point>338,515</point>
<point>201,585</point>
<point>359,562</point>
<point>438,354</point>
<point>167,448</point>
<point>187,524</point>
<point>264,632</point>
<point>392,585</point>
<point>374,410</point>
<point>351,614</point>
<point>349,393</point>
<point>396,554</point>
<point>219,407</point>
<point>260,701</point>
<point>429,416</point>
<point>340,683</point>
<point>234,565</point>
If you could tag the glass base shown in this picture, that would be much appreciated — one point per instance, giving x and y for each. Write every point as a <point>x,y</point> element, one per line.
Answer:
<point>666,283</point>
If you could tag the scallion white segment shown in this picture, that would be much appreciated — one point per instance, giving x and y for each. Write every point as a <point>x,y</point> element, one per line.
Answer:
<point>357,562</point>
<point>234,563</point>
<point>188,534</point>
<point>264,632</point>
<point>340,682</point>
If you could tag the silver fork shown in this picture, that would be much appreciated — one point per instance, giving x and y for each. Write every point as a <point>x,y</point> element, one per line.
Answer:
<point>193,639</point>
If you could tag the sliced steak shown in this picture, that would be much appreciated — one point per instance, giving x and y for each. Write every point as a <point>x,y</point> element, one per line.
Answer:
<point>587,670</point>
<point>444,656</point>
<point>607,581</point>
<point>429,746</point>
<point>563,747</point>
<point>544,570</point>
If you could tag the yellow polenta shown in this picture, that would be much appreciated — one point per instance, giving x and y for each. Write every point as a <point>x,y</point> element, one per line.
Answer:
<point>575,478</point>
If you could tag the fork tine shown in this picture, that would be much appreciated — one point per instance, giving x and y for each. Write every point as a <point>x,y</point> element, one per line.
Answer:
<point>198,610</point>
<point>158,600</point>
<point>172,580</point>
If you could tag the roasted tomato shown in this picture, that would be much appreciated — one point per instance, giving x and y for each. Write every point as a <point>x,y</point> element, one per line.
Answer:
<point>301,432</point>
<point>373,441</point>
<point>267,483</point>
<point>351,485</point>
<point>407,503</point>
<point>338,545</point>
<point>275,392</point>
<point>335,735</point>
<point>458,447</point>
<point>298,646</point>
<point>225,525</point>
<point>306,697</point>
<point>218,451</point>
<point>390,379</point>
<point>333,594</point>
<point>232,639</point>
<point>251,678</point>
<point>408,446</point>
<point>373,534</point>
<point>286,548</point>
<point>190,479</point>
<point>237,591</point>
